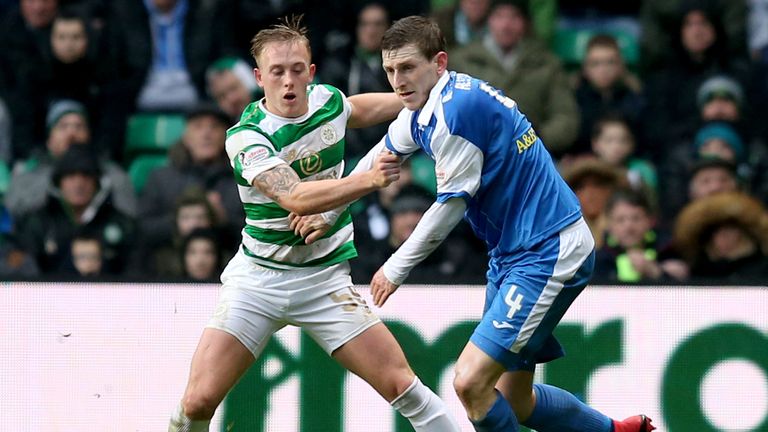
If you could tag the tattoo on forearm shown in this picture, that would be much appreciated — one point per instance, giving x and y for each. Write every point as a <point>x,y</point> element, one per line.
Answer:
<point>277,182</point>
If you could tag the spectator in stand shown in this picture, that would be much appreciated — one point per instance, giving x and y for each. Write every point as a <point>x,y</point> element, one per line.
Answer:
<point>232,86</point>
<point>76,71</point>
<point>26,54</point>
<point>724,239</point>
<point>87,255</point>
<point>701,52</point>
<point>720,99</point>
<point>362,73</point>
<point>76,204</point>
<point>198,160</point>
<point>159,51</point>
<point>513,61</point>
<point>193,211</point>
<point>614,143</point>
<point>201,256</point>
<point>463,22</point>
<point>594,181</point>
<point>67,124</point>
<point>633,251</point>
<point>711,176</point>
<point>605,86</point>
<point>659,20</point>
<point>716,140</point>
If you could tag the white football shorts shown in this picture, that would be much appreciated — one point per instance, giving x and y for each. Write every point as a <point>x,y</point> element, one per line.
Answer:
<point>255,302</point>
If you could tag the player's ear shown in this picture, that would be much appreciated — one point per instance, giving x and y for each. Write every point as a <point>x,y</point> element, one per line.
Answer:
<point>257,75</point>
<point>441,59</point>
<point>312,69</point>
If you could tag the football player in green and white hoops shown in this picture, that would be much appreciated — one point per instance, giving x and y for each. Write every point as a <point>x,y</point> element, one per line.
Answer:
<point>287,153</point>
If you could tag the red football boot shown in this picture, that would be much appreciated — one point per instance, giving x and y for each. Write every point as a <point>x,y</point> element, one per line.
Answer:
<point>638,423</point>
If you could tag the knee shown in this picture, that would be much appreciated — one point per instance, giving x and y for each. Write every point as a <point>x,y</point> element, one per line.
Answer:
<point>401,380</point>
<point>469,386</point>
<point>198,406</point>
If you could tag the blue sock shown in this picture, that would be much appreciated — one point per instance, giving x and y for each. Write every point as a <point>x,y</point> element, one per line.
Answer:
<point>499,418</point>
<point>557,410</point>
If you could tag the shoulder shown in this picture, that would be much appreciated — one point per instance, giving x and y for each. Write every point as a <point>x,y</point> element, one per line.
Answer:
<point>327,98</point>
<point>468,100</point>
<point>324,91</point>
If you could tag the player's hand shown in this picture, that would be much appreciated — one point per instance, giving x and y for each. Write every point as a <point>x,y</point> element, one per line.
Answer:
<point>309,227</point>
<point>381,288</point>
<point>385,170</point>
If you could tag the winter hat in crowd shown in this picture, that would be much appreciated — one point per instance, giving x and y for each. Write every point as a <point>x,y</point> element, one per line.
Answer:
<point>720,86</point>
<point>77,159</point>
<point>60,108</point>
<point>722,131</point>
<point>238,66</point>
<point>696,221</point>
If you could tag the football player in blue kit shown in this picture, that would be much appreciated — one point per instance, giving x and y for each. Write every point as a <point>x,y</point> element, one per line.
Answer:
<point>494,171</point>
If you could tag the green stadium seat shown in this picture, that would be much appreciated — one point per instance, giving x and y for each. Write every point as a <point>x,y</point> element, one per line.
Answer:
<point>142,166</point>
<point>570,46</point>
<point>152,133</point>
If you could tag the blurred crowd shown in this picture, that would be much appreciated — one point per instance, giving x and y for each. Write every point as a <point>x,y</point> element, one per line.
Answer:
<point>113,117</point>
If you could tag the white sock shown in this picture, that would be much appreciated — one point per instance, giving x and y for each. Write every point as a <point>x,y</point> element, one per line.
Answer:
<point>425,411</point>
<point>182,423</point>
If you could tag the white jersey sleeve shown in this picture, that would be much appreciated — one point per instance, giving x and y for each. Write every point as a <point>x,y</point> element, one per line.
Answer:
<point>458,168</point>
<point>250,154</point>
<point>398,139</point>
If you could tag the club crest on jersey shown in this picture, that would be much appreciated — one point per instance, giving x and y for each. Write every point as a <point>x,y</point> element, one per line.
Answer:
<point>253,155</point>
<point>328,134</point>
<point>310,163</point>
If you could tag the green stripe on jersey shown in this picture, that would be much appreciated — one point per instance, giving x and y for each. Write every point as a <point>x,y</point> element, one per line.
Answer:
<point>324,159</point>
<point>264,211</point>
<point>344,252</point>
<point>288,238</point>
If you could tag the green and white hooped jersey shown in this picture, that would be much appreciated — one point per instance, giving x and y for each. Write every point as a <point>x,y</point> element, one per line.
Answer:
<point>313,145</point>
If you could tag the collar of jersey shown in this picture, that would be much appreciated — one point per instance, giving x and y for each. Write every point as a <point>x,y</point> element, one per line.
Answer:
<point>434,96</point>
<point>268,113</point>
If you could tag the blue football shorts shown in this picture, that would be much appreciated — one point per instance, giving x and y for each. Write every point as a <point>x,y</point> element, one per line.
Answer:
<point>529,293</point>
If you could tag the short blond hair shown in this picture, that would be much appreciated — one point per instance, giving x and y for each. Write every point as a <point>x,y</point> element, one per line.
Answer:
<point>289,29</point>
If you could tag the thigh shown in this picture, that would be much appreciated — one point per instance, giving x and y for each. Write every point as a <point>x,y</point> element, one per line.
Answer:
<point>376,357</point>
<point>219,361</point>
<point>246,308</point>
<point>332,314</point>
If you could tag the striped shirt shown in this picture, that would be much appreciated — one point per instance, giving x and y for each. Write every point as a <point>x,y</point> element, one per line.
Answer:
<point>313,145</point>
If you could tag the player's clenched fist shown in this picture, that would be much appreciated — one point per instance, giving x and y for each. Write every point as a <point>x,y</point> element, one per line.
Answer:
<point>385,170</point>
<point>309,227</point>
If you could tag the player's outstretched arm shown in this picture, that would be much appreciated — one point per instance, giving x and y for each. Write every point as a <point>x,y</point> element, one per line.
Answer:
<point>283,185</point>
<point>431,230</point>
<point>370,109</point>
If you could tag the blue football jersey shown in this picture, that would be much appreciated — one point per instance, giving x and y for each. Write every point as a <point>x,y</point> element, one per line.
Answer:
<point>486,152</point>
